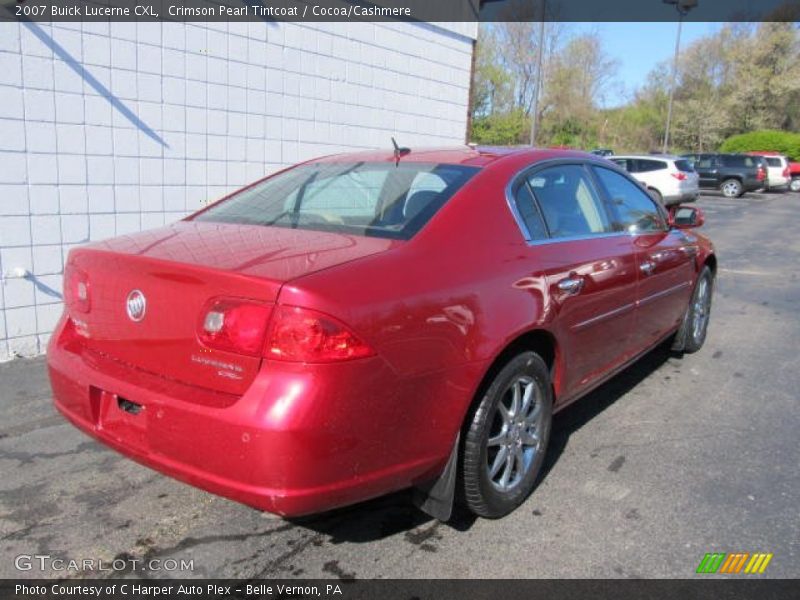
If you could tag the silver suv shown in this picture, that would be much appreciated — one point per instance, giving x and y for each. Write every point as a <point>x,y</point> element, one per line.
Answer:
<point>669,179</point>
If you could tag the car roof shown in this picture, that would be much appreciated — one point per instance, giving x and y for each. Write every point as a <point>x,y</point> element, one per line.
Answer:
<point>476,156</point>
<point>767,155</point>
<point>647,156</point>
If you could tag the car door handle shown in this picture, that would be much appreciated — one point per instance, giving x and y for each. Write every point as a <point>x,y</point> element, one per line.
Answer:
<point>571,285</point>
<point>647,267</point>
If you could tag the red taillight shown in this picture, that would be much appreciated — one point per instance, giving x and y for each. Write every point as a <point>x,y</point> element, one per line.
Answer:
<point>680,176</point>
<point>303,335</point>
<point>787,173</point>
<point>761,175</point>
<point>77,293</point>
<point>234,325</point>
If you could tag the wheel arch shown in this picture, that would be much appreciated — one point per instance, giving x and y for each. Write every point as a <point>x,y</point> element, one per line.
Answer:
<point>436,497</point>
<point>735,177</point>
<point>711,263</point>
<point>540,341</point>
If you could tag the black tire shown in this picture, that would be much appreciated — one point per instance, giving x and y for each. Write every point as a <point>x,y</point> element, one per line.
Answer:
<point>482,493</point>
<point>656,195</point>
<point>732,188</point>
<point>690,337</point>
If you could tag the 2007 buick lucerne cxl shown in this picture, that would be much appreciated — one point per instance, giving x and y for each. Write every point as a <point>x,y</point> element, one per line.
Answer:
<point>365,323</point>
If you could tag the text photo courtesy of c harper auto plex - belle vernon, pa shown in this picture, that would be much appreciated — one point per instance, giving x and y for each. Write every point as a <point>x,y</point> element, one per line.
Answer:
<point>403,299</point>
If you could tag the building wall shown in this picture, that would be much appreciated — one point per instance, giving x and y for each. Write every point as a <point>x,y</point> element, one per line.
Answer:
<point>107,129</point>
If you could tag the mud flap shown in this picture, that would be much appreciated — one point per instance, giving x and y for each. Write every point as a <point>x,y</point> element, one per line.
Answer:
<point>679,341</point>
<point>436,497</point>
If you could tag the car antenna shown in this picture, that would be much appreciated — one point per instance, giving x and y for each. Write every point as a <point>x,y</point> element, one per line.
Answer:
<point>399,152</point>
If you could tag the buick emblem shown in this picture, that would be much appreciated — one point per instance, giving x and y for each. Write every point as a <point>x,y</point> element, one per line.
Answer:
<point>136,305</point>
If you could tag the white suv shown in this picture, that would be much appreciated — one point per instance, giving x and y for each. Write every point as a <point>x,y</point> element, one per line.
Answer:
<point>778,172</point>
<point>669,179</point>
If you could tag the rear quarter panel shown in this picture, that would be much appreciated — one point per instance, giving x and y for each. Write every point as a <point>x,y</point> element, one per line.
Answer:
<point>439,308</point>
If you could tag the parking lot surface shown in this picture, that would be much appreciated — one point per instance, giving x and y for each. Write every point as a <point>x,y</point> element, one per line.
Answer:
<point>673,458</point>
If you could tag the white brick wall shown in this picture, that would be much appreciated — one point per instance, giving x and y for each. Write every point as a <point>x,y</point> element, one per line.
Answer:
<point>112,128</point>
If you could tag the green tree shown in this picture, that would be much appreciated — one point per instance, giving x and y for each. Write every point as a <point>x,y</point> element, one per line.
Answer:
<point>766,140</point>
<point>574,89</point>
<point>501,129</point>
<point>492,84</point>
<point>739,79</point>
<point>764,90</point>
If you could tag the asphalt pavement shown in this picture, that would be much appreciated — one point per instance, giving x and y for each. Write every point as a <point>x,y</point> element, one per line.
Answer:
<point>674,458</point>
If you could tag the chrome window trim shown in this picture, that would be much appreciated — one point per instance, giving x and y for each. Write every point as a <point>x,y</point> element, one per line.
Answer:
<point>578,238</point>
<point>583,162</point>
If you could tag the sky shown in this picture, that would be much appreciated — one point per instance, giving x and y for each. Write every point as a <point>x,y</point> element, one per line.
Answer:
<point>637,48</point>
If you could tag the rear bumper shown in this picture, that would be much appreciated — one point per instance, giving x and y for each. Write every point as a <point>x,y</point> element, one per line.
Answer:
<point>778,184</point>
<point>292,444</point>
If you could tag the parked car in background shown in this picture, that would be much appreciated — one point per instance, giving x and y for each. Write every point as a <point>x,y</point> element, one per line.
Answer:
<point>779,175</point>
<point>368,322</point>
<point>794,173</point>
<point>603,152</point>
<point>733,174</point>
<point>669,179</point>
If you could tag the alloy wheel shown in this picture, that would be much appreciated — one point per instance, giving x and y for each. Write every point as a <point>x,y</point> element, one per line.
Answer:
<point>730,189</point>
<point>702,306</point>
<point>515,436</point>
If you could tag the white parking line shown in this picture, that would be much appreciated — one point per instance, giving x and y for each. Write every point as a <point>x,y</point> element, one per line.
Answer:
<point>750,272</point>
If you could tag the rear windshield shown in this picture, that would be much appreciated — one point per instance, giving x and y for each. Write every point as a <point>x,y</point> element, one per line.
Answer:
<point>645,166</point>
<point>684,165</point>
<point>774,162</point>
<point>372,199</point>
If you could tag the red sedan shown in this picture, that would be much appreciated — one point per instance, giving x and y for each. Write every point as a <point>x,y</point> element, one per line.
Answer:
<point>370,322</point>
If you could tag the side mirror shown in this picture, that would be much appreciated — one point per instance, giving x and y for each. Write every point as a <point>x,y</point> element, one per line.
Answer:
<point>686,217</point>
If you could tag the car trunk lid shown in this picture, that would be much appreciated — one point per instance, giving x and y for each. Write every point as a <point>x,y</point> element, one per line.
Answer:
<point>177,270</point>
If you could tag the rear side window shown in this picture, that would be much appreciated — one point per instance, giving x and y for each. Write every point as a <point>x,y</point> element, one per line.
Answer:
<point>635,211</point>
<point>569,204</point>
<point>374,199</point>
<point>646,166</point>
<point>739,161</point>
<point>684,166</point>
<point>625,163</point>
<point>529,212</point>
<point>704,162</point>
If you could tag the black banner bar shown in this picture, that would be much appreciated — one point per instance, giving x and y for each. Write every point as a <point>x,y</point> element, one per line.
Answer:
<point>401,10</point>
<point>734,588</point>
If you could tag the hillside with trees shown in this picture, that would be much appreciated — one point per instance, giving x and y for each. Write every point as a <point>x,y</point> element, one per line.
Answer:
<point>743,78</point>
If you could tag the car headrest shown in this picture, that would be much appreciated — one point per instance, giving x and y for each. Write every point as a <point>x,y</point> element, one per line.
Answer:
<point>417,201</point>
